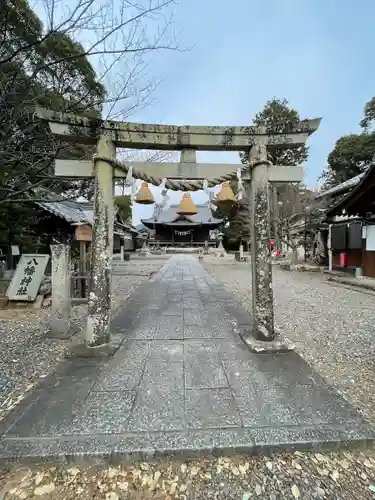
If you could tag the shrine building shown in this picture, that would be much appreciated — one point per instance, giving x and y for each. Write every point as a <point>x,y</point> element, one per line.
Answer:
<point>171,228</point>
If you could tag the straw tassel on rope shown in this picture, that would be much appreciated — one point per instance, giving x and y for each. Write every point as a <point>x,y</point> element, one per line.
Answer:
<point>226,195</point>
<point>144,195</point>
<point>187,206</point>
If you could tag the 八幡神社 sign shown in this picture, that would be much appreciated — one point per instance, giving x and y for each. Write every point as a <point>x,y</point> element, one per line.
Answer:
<point>27,277</point>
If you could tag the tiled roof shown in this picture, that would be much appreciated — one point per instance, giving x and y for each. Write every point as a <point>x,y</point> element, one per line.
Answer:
<point>72,211</point>
<point>344,186</point>
<point>67,210</point>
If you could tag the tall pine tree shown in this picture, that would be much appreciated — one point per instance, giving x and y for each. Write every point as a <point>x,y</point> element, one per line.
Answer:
<point>352,153</point>
<point>276,114</point>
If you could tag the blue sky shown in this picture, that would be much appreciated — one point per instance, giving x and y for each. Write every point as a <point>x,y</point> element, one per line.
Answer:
<point>318,55</point>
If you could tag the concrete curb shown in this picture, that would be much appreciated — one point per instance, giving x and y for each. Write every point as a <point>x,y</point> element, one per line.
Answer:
<point>130,447</point>
<point>355,283</point>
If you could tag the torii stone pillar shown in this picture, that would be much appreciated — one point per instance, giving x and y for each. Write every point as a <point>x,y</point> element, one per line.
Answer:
<point>97,332</point>
<point>261,265</point>
<point>261,338</point>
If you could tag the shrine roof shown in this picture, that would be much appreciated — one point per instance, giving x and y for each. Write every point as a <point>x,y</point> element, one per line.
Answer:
<point>343,187</point>
<point>170,216</point>
<point>67,210</point>
<point>360,200</point>
<point>74,212</point>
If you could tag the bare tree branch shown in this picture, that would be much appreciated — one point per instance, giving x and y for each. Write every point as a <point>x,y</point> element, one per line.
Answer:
<point>116,39</point>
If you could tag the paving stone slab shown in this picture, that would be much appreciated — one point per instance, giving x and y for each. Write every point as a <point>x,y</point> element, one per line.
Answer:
<point>141,332</point>
<point>244,368</point>
<point>159,407</point>
<point>103,413</point>
<point>168,351</point>
<point>124,379</point>
<point>194,317</point>
<point>157,372</point>
<point>77,370</point>
<point>193,303</point>
<point>211,408</point>
<point>174,298</point>
<point>203,369</point>
<point>175,322</point>
<point>172,309</point>
<point>169,332</point>
<point>51,413</point>
<point>194,332</point>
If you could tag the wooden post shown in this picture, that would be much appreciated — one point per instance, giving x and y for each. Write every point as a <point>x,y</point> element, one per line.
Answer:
<point>82,267</point>
<point>329,245</point>
<point>97,332</point>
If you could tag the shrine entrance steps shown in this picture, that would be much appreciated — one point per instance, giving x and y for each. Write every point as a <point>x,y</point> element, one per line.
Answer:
<point>181,382</point>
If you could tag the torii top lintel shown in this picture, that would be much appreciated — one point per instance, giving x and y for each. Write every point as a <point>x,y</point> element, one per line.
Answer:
<point>171,137</point>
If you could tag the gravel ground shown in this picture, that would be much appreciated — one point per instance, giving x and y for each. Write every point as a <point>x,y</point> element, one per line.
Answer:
<point>332,327</point>
<point>27,354</point>
<point>335,476</point>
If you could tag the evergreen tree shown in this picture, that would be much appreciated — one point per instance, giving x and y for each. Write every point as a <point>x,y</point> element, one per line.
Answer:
<point>352,153</point>
<point>277,115</point>
<point>123,204</point>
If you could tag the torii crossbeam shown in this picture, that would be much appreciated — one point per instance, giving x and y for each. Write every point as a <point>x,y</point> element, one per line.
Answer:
<point>188,139</point>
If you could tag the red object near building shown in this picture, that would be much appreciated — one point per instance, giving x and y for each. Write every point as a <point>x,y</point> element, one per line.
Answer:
<point>272,244</point>
<point>343,259</point>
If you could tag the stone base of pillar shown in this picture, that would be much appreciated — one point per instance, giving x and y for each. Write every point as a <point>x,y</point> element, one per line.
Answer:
<point>61,329</point>
<point>82,350</point>
<point>278,345</point>
<point>85,351</point>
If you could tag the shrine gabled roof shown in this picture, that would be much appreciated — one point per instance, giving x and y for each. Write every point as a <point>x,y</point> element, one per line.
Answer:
<point>170,216</point>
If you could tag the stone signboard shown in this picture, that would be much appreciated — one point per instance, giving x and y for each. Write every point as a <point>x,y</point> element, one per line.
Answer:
<point>27,277</point>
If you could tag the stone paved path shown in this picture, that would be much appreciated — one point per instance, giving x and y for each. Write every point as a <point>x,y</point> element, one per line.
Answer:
<point>181,381</point>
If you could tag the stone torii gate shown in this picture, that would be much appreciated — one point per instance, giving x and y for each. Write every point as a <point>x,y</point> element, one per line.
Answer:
<point>185,175</point>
